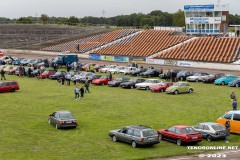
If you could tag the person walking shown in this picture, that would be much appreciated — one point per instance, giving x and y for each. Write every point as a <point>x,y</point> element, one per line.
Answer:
<point>233,96</point>
<point>87,86</point>
<point>234,104</point>
<point>227,126</point>
<point>82,92</point>
<point>110,76</point>
<point>76,91</point>
<point>3,74</point>
<point>63,78</point>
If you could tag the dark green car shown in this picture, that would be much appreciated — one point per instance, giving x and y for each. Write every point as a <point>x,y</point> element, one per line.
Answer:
<point>62,119</point>
<point>179,87</point>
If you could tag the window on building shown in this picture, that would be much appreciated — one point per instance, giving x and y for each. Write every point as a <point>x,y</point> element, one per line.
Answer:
<point>218,14</point>
<point>211,26</point>
<point>217,26</point>
<point>209,14</point>
<point>202,14</point>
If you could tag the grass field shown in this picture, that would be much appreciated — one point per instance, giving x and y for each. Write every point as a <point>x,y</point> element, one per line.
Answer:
<point>25,133</point>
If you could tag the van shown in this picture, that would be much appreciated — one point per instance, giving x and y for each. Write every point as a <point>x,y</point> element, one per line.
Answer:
<point>9,86</point>
<point>234,118</point>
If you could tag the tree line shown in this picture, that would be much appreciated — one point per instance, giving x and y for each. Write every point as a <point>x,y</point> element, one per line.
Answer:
<point>154,18</point>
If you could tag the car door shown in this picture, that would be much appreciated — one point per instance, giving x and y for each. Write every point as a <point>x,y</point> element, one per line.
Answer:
<point>170,133</point>
<point>205,131</point>
<point>2,85</point>
<point>55,118</point>
<point>235,123</point>
<point>182,88</point>
<point>199,128</point>
<point>226,117</point>
<point>122,134</point>
<point>51,118</point>
<point>129,135</point>
<point>8,86</point>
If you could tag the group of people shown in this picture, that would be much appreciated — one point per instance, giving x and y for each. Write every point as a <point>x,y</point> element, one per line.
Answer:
<point>79,93</point>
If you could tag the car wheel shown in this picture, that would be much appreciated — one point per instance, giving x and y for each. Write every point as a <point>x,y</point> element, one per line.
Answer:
<point>161,90</point>
<point>114,138</point>
<point>49,122</point>
<point>134,144</point>
<point>190,91</point>
<point>147,88</point>
<point>56,126</point>
<point>209,138</point>
<point>222,83</point>
<point>176,92</point>
<point>160,136</point>
<point>12,90</point>
<point>237,85</point>
<point>102,84</point>
<point>179,142</point>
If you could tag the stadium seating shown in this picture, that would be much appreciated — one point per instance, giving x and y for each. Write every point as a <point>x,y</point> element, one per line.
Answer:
<point>207,49</point>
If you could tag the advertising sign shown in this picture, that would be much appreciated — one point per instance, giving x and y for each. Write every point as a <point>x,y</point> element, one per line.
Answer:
<point>107,58</point>
<point>170,62</point>
<point>137,59</point>
<point>154,61</point>
<point>95,56</point>
<point>185,63</point>
<point>203,20</point>
<point>198,7</point>
<point>120,59</point>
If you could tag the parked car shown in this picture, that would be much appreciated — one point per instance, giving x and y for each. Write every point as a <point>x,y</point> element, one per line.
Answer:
<point>101,81</point>
<point>127,70</point>
<point>234,83</point>
<point>135,135</point>
<point>211,130</point>
<point>48,73</point>
<point>57,75</point>
<point>147,84</point>
<point>180,134</point>
<point>97,67</point>
<point>118,81</point>
<point>212,77</point>
<point>90,79</point>
<point>116,69</point>
<point>9,86</point>
<point>7,69</point>
<point>138,71</point>
<point>132,82</point>
<point>179,87</point>
<point>182,75</point>
<point>17,61</point>
<point>13,70</point>
<point>25,63</point>
<point>106,68</point>
<point>225,79</point>
<point>85,75</point>
<point>151,73</point>
<point>62,119</point>
<point>197,77</point>
<point>161,87</point>
<point>234,118</point>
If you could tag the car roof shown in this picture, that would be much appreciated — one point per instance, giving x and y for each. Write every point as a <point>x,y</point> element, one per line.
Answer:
<point>153,79</point>
<point>181,126</point>
<point>7,81</point>
<point>140,127</point>
<point>229,75</point>
<point>209,123</point>
<point>63,111</point>
<point>237,111</point>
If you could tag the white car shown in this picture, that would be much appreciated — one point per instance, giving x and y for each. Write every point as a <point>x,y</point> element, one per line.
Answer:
<point>116,69</point>
<point>148,83</point>
<point>197,77</point>
<point>105,69</point>
<point>127,70</point>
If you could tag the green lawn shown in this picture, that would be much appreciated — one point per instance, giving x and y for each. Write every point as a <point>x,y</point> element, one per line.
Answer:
<point>25,133</point>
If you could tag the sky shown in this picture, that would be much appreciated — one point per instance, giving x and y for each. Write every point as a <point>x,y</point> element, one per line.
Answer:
<point>82,8</point>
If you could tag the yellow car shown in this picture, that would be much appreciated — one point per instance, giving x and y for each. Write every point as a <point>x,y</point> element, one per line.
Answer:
<point>234,118</point>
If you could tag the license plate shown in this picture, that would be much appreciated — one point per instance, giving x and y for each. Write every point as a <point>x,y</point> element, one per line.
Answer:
<point>194,137</point>
<point>68,122</point>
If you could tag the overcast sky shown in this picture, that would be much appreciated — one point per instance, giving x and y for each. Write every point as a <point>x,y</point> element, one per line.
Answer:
<point>81,8</point>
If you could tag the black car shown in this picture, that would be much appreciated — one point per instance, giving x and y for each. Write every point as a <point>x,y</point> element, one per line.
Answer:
<point>135,135</point>
<point>169,74</point>
<point>62,119</point>
<point>137,72</point>
<point>151,73</point>
<point>83,80</point>
<point>57,75</point>
<point>131,83</point>
<point>183,75</point>
<point>118,81</point>
<point>212,77</point>
<point>234,83</point>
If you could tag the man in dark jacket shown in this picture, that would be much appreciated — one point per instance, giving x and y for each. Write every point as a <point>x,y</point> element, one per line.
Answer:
<point>87,86</point>
<point>3,74</point>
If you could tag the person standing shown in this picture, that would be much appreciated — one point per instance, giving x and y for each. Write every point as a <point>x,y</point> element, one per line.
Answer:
<point>82,92</point>
<point>76,91</point>
<point>234,104</point>
<point>3,74</point>
<point>63,78</point>
<point>227,126</point>
<point>110,76</point>
<point>87,86</point>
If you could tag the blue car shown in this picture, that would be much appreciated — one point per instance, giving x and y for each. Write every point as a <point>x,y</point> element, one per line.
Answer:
<point>225,79</point>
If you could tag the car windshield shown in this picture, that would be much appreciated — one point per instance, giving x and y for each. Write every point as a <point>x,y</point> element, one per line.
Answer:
<point>149,81</point>
<point>148,133</point>
<point>218,127</point>
<point>66,115</point>
<point>119,79</point>
<point>197,74</point>
<point>102,77</point>
<point>187,130</point>
<point>176,84</point>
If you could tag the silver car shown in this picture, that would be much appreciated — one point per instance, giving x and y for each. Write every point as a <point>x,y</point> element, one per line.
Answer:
<point>135,135</point>
<point>211,130</point>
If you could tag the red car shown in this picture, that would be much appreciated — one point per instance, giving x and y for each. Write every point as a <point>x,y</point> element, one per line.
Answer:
<point>180,134</point>
<point>161,87</point>
<point>9,86</point>
<point>101,81</point>
<point>48,73</point>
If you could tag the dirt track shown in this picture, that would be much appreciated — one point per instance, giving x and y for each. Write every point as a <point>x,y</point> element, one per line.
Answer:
<point>164,67</point>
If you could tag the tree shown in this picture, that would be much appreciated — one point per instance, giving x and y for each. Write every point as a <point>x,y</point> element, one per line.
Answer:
<point>44,18</point>
<point>24,20</point>
<point>179,18</point>
<point>73,20</point>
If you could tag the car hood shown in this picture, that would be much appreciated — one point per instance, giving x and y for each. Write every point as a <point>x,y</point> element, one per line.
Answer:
<point>114,131</point>
<point>127,83</point>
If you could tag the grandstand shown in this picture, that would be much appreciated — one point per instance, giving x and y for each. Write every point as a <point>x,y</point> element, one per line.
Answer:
<point>206,49</point>
<point>26,36</point>
<point>143,44</point>
<point>87,44</point>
